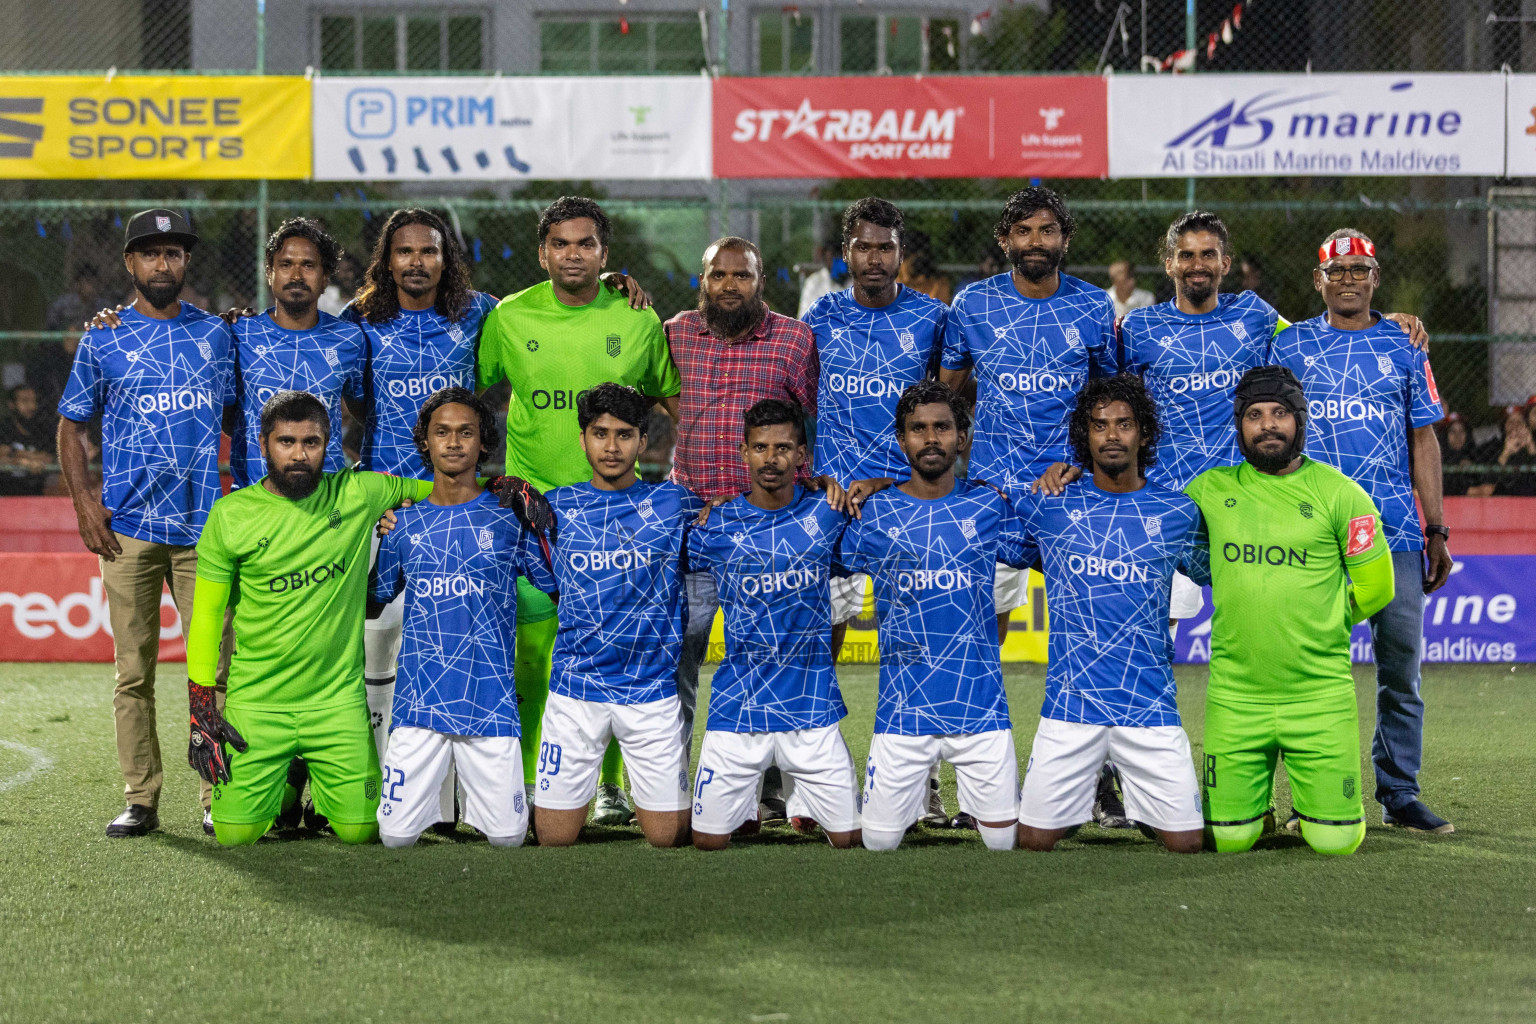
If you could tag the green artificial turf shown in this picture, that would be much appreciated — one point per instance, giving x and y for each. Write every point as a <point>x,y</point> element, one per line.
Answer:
<point>1107,929</point>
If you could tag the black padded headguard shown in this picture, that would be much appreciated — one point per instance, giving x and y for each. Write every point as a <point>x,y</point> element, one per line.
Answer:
<point>1271,384</point>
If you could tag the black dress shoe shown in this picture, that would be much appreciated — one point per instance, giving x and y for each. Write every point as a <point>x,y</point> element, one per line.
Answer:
<point>137,820</point>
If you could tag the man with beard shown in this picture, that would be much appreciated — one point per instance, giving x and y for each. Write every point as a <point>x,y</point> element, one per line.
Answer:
<point>1373,405</point>
<point>932,544</point>
<point>553,342</point>
<point>290,553</point>
<point>1032,336</point>
<point>294,346</point>
<point>158,382</point>
<point>732,352</point>
<point>1297,555</point>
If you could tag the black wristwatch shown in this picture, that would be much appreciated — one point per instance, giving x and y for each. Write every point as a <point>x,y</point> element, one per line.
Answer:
<point>1437,531</point>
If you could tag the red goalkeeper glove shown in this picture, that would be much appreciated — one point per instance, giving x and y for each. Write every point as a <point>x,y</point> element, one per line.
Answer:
<point>531,507</point>
<point>205,752</point>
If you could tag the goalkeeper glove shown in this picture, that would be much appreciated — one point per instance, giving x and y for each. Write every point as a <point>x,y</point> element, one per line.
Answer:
<point>531,507</point>
<point>205,752</point>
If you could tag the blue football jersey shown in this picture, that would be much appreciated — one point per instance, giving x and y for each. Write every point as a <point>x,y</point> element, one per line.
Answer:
<point>868,357</point>
<point>1109,561</point>
<point>933,563</point>
<point>160,387</point>
<point>617,569</point>
<point>1191,365</point>
<point>1365,390</point>
<point>457,566</point>
<point>1030,357</point>
<point>411,355</point>
<point>771,570</point>
<point>327,361</point>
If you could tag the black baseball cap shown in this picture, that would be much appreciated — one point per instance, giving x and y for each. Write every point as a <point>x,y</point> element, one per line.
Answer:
<point>167,224</point>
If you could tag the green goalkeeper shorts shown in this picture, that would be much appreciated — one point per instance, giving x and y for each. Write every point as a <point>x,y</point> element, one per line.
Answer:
<point>533,605</point>
<point>1320,741</point>
<point>336,743</point>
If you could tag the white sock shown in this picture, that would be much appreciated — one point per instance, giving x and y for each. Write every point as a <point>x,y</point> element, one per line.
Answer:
<point>506,840</point>
<point>879,839</point>
<point>381,694</point>
<point>1005,838</point>
<point>397,842</point>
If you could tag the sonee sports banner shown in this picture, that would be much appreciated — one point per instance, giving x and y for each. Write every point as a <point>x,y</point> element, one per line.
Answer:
<point>947,127</point>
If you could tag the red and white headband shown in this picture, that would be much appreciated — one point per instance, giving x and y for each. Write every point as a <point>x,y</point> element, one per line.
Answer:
<point>1346,247</point>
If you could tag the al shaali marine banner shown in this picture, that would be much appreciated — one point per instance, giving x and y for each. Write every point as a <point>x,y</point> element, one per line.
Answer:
<point>441,129</point>
<point>160,126</point>
<point>1334,125</point>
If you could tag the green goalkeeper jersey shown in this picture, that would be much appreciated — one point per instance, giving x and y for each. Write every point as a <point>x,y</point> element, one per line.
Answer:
<point>298,572</point>
<point>1279,548</point>
<point>551,352</point>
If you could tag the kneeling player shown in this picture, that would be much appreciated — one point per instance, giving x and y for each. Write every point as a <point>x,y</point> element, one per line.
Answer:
<point>1109,547</point>
<point>456,557</point>
<point>292,549</point>
<point>617,577</point>
<point>1297,556</point>
<point>775,698</point>
<point>931,543</point>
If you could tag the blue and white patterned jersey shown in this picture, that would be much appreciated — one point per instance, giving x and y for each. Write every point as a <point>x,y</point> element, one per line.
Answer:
<point>771,569</point>
<point>160,387</point>
<point>327,361</point>
<point>411,355</point>
<point>457,566</point>
<point>868,357</point>
<point>1109,561</point>
<point>1191,364</point>
<point>1365,390</point>
<point>1030,358</point>
<point>618,572</point>
<point>933,563</point>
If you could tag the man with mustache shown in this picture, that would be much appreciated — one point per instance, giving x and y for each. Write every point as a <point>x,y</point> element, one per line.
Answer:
<point>1297,555</point>
<point>1373,406</point>
<point>731,352</point>
<point>159,382</point>
<point>1032,336</point>
<point>294,346</point>
<point>290,553</point>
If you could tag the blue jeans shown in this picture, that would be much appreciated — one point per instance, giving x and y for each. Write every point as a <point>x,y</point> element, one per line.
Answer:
<point>703,602</point>
<point>1396,633</point>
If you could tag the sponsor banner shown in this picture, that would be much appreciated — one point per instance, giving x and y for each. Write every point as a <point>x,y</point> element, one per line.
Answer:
<point>133,126</point>
<point>945,127</point>
<point>1520,126</point>
<point>60,612</point>
<point>1486,612</point>
<point>1335,125</point>
<point>441,129</point>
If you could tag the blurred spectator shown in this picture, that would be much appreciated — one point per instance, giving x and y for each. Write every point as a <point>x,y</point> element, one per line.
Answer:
<point>1253,279</point>
<point>1518,449</point>
<point>70,311</point>
<point>825,278</point>
<point>1457,449</point>
<point>47,367</point>
<point>26,444</point>
<point>349,274</point>
<point>919,271</point>
<point>656,459</point>
<point>1123,291</point>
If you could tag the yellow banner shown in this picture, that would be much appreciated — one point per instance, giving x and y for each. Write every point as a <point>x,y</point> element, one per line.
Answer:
<point>1026,641</point>
<point>164,126</point>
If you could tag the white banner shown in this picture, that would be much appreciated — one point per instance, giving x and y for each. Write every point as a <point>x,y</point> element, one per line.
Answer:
<point>1520,127</point>
<point>440,129</point>
<point>1177,126</point>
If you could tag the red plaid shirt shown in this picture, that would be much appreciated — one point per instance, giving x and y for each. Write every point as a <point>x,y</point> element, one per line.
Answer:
<point>721,380</point>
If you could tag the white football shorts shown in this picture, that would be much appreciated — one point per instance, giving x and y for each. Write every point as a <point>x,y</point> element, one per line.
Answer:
<point>1187,598</point>
<point>847,597</point>
<point>575,736</point>
<point>1010,589</point>
<point>896,777</point>
<point>732,763</point>
<point>1157,775</point>
<point>490,771</point>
